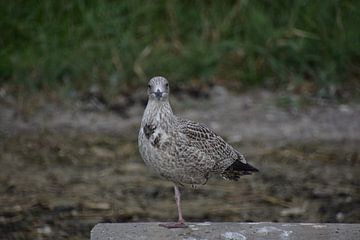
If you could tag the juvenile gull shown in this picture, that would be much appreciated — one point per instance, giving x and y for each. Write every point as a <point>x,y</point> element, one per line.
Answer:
<point>183,151</point>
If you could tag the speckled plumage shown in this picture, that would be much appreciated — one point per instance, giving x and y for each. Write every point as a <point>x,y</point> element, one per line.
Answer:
<point>183,151</point>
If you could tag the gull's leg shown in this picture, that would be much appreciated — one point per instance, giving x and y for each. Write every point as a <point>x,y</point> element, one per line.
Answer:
<point>180,222</point>
<point>178,204</point>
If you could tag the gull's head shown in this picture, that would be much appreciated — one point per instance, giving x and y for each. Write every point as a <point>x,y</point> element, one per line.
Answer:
<point>158,89</point>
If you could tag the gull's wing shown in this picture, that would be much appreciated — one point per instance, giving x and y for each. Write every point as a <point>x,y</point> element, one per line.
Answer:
<point>224,158</point>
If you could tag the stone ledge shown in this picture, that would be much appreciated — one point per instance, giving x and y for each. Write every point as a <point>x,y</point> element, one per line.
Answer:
<point>227,231</point>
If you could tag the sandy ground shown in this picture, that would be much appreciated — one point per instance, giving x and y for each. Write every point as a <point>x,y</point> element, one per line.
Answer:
<point>66,167</point>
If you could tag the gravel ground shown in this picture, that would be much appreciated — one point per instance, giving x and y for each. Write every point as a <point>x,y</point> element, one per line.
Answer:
<point>66,167</point>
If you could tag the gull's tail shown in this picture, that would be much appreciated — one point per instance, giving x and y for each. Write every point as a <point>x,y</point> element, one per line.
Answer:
<point>237,169</point>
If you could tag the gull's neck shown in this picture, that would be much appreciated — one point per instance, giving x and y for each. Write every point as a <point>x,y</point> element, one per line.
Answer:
<point>158,113</point>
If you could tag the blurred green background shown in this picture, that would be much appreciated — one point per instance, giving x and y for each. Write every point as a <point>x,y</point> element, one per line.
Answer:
<point>72,45</point>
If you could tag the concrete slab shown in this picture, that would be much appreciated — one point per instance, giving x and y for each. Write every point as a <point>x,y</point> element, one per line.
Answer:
<point>227,231</point>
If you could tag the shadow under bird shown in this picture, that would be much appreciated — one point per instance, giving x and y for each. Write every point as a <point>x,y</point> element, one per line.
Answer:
<point>183,151</point>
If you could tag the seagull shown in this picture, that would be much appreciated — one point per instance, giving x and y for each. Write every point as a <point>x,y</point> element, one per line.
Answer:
<point>183,151</point>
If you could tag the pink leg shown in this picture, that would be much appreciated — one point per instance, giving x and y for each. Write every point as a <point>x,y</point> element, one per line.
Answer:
<point>180,222</point>
<point>178,205</point>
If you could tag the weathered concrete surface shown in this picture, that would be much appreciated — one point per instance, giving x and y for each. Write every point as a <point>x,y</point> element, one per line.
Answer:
<point>227,231</point>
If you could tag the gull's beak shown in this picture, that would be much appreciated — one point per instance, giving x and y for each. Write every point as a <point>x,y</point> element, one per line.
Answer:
<point>158,94</point>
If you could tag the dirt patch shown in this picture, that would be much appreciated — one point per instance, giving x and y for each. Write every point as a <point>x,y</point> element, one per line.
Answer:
<point>62,185</point>
<point>258,116</point>
<point>65,168</point>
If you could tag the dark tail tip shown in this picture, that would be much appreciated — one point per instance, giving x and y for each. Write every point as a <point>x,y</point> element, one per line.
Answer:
<point>253,169</point>
<point>237,169</point>
<point>240,166</point>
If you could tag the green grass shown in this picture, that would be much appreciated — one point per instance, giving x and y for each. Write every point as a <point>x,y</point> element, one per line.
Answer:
<point>121,44</point>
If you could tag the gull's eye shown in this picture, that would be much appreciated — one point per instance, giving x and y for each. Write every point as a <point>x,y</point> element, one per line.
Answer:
<point>149,86</point>
<point>167,85</point>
